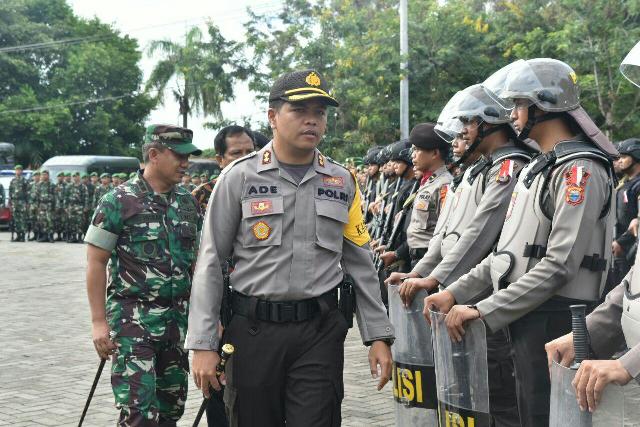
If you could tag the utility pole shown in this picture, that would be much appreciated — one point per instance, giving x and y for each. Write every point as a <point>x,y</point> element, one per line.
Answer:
<point>404,70</point>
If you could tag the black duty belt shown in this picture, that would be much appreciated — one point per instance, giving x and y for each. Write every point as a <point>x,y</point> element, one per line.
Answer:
<point>591,262</point>
<point>283,311</point>
<point>417,253</point>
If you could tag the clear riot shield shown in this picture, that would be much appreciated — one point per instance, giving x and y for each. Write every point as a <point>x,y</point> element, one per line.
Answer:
<point>414,384</point>
<point>619,406</point>
<point>461,374</point>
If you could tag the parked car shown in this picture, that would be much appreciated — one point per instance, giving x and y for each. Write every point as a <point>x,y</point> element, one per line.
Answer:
<point>89,164</point>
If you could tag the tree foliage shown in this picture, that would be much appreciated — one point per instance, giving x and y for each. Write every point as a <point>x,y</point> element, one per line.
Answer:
<point>77,97</point>
<point>453,44</point>
<point>204,69</point>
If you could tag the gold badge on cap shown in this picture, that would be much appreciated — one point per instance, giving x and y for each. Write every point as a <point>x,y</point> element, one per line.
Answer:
<point>313,79</point>
<point>261,230</point>
<point>266,157</point>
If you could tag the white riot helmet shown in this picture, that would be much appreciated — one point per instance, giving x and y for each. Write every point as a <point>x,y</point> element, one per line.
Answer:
<point>551,86</point>
<point>630,67</point>
<point>447,126</point>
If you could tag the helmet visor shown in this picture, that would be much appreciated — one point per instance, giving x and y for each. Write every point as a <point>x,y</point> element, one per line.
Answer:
<point>630,67</point>
<point>449,129</point>
<point>479,103</point>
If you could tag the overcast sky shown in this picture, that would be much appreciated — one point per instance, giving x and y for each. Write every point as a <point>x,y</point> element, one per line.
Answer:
<point>170,19</point>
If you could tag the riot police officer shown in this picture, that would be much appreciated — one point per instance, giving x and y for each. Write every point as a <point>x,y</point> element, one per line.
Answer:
<point>554,247</point>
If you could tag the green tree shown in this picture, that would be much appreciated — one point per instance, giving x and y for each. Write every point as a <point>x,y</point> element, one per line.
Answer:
<point>80,96</point>
<point>200,68</point>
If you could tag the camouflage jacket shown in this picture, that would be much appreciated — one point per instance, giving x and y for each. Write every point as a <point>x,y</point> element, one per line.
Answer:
<point>91,189</point>
<point>60,187</point>
<point>153,243</point>
<point>46,194</point>
<point>33,193</point>
<point>202,193</point>
<point>76,195</point>
<point>18,190</point>
<point>100,191</point>
<point>188,187</point>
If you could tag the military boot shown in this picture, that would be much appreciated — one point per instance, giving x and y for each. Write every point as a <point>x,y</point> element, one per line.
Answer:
<point>42,237</point>
<point>50,238</point>
<point>59,238</point>
<point>20,237</point>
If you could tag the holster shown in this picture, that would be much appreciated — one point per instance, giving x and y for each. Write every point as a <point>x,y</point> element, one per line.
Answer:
<point>347,299</point>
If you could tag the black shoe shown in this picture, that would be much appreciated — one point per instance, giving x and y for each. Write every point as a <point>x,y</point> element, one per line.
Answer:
<point>20,237</point>
<point>51,239</point>
<point>59,238</point>
<point>42,238</point>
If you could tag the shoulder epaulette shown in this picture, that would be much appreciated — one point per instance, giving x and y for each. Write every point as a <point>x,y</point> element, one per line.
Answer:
<point>510,153</point>
<point>337,163</point>
<point>235,162</point>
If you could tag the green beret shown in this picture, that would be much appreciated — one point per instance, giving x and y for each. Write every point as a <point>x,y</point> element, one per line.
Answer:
<point>93,174</point>
<point>212,177</point>
<point>105,175</point>
<point>132,175</point>
<point>204,175</point>
<point>44,171</point>
<point>60,174</point>
<point>76,174</point>
<point>84,175</point>
<point>67,173</point>
<point>16,167</point>
<point>187,173</point>
<point>36,173</point>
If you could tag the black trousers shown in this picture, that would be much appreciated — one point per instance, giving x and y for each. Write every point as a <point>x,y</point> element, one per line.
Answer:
<point>286,372</point>
<point>216,415</point>
<point>502,384</point>
<point>528,335</point>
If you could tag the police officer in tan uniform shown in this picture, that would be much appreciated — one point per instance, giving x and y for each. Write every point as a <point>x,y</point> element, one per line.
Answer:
<point>614,325</point>
<point>554,249</point>
<point>291,217</point>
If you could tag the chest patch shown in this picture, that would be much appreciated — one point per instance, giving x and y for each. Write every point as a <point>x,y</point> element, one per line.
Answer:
<point>333,181</point>
<point>261,207</point>
<point>257,190</point>
<point>333,194</point>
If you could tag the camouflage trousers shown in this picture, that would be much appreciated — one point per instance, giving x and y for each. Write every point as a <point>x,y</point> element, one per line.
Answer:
<point>32,213</point>
<point>149,381</point>
<point>20,217</point>
<point>45,219</point>
<point>59,219</point>
<point>75,219</point>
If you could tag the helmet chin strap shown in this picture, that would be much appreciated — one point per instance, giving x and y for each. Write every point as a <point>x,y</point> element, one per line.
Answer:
<point>533,120</point>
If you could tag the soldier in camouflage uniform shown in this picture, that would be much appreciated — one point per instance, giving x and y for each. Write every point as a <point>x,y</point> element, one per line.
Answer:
<point>101,190</point>
<point>76,204</point>
<point>91,188</point>
<point>231,143</point>
<point>32,207</point>
<point>59,219</point>
<point>186,182</point>
<point>116,180</point>
<point>18,199</point>
<point>145,232</point>
<point>46,193</point>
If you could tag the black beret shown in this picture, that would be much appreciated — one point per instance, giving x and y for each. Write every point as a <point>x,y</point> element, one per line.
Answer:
<point>424,136</point>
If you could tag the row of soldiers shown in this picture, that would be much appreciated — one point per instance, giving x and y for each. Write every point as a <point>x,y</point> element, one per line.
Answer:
<point>504,210</point>
<point>191,182</point>
<point>47,211</point>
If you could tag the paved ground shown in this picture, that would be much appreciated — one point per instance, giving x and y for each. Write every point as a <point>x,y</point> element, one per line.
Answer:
<point>47,361</point>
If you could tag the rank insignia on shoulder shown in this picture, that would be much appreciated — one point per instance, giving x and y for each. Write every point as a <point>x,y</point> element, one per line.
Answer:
<point>261,230</point>
<point>333,181</point>
<point>266,157</point>
<point>506,172</point>
<point>261,207</point>
<point>321,160</point>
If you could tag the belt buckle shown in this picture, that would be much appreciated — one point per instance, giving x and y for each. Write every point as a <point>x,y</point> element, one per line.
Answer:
<point>286,312</point>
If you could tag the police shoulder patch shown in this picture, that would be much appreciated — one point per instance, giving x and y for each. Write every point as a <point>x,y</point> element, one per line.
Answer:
<point>237,161</point>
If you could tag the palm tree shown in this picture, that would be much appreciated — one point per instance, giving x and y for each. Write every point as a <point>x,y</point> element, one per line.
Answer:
<point>204,70</point>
